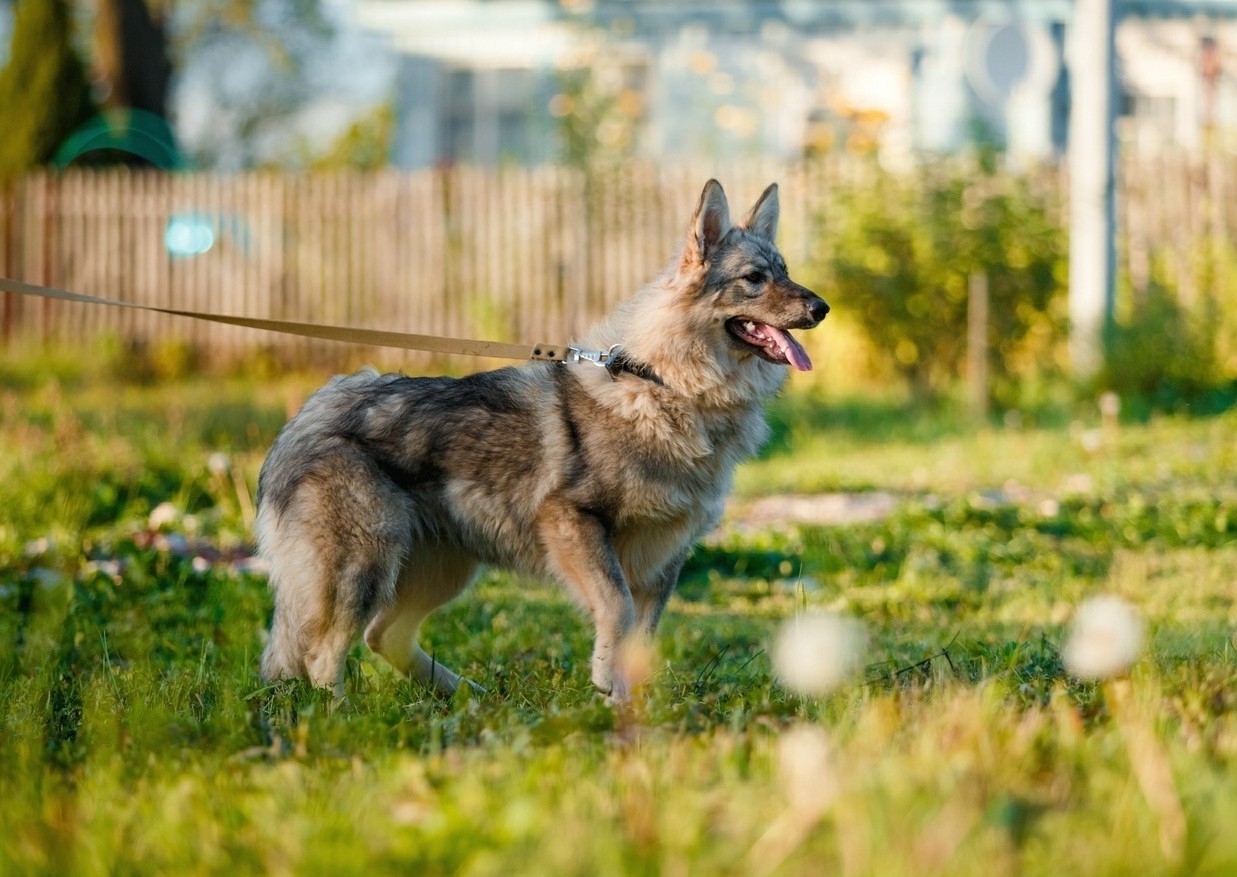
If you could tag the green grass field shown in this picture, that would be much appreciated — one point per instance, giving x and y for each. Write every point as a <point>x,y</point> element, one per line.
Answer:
<point>136,738</point>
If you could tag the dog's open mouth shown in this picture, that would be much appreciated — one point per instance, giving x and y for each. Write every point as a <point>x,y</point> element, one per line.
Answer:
<point>768,342</point>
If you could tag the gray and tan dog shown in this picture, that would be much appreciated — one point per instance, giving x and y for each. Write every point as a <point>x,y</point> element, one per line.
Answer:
<point>382,496</point>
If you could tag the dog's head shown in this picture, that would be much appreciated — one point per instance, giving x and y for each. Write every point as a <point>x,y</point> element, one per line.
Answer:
<point>740,273</point>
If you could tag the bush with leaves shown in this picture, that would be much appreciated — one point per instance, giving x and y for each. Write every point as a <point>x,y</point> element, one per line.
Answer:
<point>1168,356</point>
<point>898,251</point>
<point>44,88</point>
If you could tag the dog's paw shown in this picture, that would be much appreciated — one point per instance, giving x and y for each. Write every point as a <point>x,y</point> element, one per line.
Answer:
<point>632,666</point>
<point>619,693</point>
<point>604,680</point>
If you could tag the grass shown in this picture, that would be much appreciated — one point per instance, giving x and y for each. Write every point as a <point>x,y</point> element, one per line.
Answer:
<point>135,736</point>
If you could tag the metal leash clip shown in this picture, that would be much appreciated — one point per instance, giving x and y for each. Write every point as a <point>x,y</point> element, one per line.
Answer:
<point>599,358</point>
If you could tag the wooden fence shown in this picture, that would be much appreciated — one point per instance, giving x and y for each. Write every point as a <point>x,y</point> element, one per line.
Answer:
<point>1177,221</point>
<point>517,254</point>
<point>513,254</point>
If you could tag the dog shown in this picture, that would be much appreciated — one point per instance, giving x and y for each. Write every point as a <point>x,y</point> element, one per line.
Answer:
<point>381,497</point>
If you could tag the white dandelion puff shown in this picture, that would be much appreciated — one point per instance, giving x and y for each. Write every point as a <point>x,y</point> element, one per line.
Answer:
<point>219,463</point>
<point>816,652</point>
<point>162,515</point>
<point>42,545</point>
<point>1105,639</point>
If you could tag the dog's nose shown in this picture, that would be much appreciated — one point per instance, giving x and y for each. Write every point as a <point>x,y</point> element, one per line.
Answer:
<point>818,309</point>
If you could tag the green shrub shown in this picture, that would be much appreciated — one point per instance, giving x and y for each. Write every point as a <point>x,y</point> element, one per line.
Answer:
<point>1161,353</point>
<point>898,251</point>
<point>144,362</point>
<point>1172,344</point>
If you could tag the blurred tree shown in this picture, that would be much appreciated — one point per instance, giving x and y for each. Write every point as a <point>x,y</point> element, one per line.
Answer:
<point>44,88</point>
<point>131,79</point>
<point>365,145</point>
<point>597,109</point>
<point>275,83</point>
<point>131,56</point>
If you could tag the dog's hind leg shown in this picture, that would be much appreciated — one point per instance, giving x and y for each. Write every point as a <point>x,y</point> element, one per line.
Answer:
<point>359,589</point>
<point>335,554</point>
<point>316,624</point>
<point>433,574</point>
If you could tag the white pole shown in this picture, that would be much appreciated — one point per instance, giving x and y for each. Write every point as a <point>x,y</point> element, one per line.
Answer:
<point>1092,159</point>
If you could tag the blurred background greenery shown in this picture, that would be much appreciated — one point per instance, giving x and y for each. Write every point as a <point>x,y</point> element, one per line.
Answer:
<point>373,150</point>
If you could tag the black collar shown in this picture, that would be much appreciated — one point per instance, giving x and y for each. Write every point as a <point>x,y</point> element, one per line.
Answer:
<point>619,363</point>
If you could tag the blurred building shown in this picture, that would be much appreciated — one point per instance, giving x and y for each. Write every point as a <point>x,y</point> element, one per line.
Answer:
<point>532,81</point>
<point>490,81</point>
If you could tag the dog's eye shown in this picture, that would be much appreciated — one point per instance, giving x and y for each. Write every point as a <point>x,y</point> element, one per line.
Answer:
<point>755,277</point>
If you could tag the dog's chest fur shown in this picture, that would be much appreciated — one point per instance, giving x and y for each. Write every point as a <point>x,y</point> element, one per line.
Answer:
<point>644,453</point>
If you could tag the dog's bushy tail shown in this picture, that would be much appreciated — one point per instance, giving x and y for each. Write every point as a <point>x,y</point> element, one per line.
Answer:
<point>284,655</point>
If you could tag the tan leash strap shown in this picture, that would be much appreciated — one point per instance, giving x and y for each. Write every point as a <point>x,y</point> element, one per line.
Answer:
<point>347,334</point>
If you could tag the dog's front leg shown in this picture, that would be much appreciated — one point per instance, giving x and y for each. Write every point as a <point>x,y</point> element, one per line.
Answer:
<point>580,552</point>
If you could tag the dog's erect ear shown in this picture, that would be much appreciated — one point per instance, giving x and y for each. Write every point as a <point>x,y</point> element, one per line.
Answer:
<point>762,218</point>
<point>709,225</point>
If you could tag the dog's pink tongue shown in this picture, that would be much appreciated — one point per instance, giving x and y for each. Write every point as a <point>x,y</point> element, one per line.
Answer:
<point>791,349</point>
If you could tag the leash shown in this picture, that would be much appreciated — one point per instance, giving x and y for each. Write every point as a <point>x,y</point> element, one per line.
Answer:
<point>347,334</point>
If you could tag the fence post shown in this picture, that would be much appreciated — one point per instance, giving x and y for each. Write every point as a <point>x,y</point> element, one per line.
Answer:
<point>977,346</point>
<point>1092,258</point>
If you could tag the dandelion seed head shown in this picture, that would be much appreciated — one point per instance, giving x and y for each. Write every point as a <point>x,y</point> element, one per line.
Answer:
<point>162,515</point>
<point>1105,639</point>
<point>42,545</point>
<point>816,652</point>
